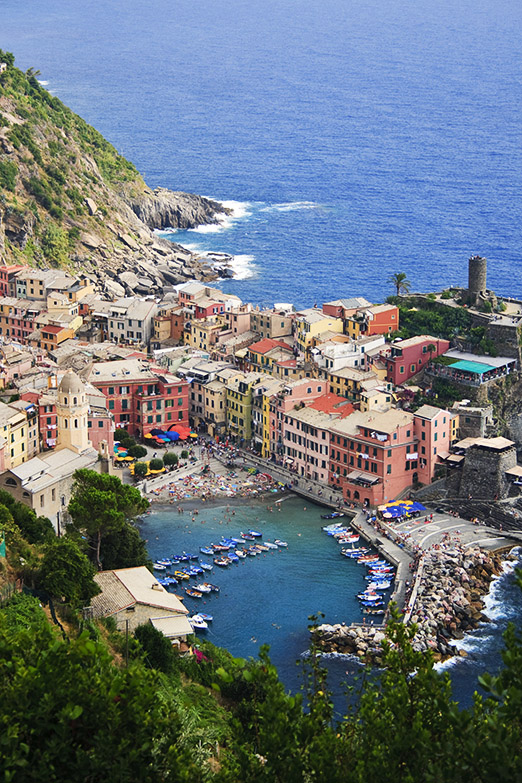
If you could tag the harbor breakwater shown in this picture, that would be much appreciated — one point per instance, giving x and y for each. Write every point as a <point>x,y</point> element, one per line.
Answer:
<point>446,601</point>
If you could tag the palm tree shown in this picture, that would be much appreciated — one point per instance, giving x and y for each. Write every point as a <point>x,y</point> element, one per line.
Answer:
<point>401,282</point>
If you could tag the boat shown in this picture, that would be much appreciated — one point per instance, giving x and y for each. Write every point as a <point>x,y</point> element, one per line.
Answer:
<point>379,585</point>
<point>198,623</point>
<point>252,551</point>
<point>183,558</point>
<point>206,550</point>
<point>333,515</point>
<point>214,588</point>
<point>165,562</point>
<point>181,575</point>
<point>368,596</point>
<point>263,548</point>
<point>206,617</point>
<point>206,566</point>
<point>195,571</point>
<point>280,543</point>
<point>348,539</point>
<point>202,587</point>
<point>270,545</point>
<point>334,527</point>
<point>255,533</point>
<point>221,561</point>
<point>193,593</point>
<point>220,548</point>
<point>247,536</point>
<point>159,567</point>
<point>241,553</point>
<point>233,557</point>
<point>371,610</point>
<point>192,557</point>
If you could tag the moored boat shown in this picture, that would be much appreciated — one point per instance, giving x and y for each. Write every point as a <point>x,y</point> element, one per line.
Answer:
<point>254,533</point>
<point>190,591</point>
<point>206,550</point>
<point>181,575</point>
<point>198,623</point>
<point>280,543</point>
<point>159,567</point>
<point>221,561</point>
<point>333,515</point>
<point>206,566</point>
<point>202,588</point>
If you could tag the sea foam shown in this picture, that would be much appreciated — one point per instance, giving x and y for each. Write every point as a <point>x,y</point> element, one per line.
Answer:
<point>290,206</point>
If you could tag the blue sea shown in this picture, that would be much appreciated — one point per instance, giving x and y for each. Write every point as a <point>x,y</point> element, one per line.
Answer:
<point>352,139</point>
<point>358,138</point>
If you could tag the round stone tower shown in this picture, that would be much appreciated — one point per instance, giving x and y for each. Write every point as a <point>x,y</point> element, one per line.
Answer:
<point>477,273</point>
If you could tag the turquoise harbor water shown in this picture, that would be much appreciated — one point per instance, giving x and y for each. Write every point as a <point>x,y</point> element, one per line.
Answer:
<point>268,598</point>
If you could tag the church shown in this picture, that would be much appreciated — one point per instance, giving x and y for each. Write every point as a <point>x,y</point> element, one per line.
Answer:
<point>44,483</point>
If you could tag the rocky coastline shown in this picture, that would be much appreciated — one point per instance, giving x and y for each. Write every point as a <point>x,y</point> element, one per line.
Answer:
<point>446,601</point>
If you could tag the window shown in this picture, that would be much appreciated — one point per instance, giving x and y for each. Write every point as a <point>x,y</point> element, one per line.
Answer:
<point>100,423</point>
<point>394,436</point>
<point>389,452</point>
<point>53,494</point>
<point>111,390</point>
<point>89,424</point>
<point>436,436</point>
<point>111,405</point>
<point>412,368</point>
<point>401,369</point>
<point>180,415</point>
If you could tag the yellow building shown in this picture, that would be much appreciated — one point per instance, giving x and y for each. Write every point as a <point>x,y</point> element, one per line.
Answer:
<point>14,431</point>
<point>215,406</point>
<point>239,405</point>
<point>203,335</point>
<point>347,382</point>
<point>454,426</point>
<point>312,322</point>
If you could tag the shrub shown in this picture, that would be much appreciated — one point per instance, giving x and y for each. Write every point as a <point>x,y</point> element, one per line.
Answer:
<point>156,464</point>
<point>8,175</point>
<point>170,459</point>
<point>140,470</point>
<point>137,451</point>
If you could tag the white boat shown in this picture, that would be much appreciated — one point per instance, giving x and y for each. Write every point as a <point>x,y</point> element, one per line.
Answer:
<point>270,545</point>
<point>203,588</point>
<point>379,585</point>
<point>198,623</point>
<point>280,543</point>
<point>159,567</point>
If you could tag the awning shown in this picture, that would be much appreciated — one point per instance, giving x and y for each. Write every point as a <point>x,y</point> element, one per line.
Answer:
<point>455,458</point>
<point>515,471</point>
<point>366,478</point>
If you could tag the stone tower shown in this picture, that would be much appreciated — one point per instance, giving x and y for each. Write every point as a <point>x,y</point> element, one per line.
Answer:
<point>477,273</point>
<point>72,410</point>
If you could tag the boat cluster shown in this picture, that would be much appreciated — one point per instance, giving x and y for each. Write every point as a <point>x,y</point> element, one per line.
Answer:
<point>180,568</point>
<point>380,572</point>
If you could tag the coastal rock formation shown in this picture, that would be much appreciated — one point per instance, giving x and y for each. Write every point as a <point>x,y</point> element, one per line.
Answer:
<point>68,199</point>
<point>163,208</point>
<point>446,602</point>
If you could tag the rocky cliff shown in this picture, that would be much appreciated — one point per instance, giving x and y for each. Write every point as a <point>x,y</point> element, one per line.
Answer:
<point>68,199</point>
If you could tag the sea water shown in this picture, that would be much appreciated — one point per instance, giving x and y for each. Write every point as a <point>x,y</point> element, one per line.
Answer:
<point>360,138</point>
<point>267,599</point>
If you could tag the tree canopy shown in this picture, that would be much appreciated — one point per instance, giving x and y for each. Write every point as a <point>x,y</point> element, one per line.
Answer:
<point>66,573</point>
<point>101,505</point>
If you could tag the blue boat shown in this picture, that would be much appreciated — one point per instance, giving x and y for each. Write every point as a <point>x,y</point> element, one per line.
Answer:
<point>255,533</point>
<point>206,566</point>
<point>206,550</point>
<point>195,571</point>
<point>206,617</point>
<point>232,556</point>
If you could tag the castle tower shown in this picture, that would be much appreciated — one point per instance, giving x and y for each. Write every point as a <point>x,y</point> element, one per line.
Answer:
<point>477,273</point>
<point>72,410</point>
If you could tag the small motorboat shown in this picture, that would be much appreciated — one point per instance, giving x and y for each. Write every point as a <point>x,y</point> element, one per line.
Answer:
<point>206,566</point>
<point>181,575</point>
<point>165,562</point>
<point>263,548</point>
<point>372,603</point>
<point>198,623</point>
<point>348,539</point>
<point>247,536</point>
<point>254,533</point>
<point>183,558</point>
<point>241,553</point>
<point>252,551</point>
<point>379,585</point>
<point>193,557</point>
<point>195,571</point>
<point>221,561</point>
<point>333,515</point>
<point>233,557</point>
<point>334,527</point>
<point>190,591</point>
<point>371,610</point>
<point>214,588</point>
<point>270,545</point>
<point>206,617</point>
<point>368,596</point>
<point>202,587</point>
<point>280,543</point>
<point>220,548</point>
<point>159,567</point>
<point>206,550</point>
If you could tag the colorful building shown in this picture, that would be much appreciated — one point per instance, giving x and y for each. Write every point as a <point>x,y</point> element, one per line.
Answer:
<point>311,323</point>
<point>405,358</point>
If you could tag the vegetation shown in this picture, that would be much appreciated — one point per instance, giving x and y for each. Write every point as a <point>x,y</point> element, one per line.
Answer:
<point>66,574</point>
<point>170,459</point>
<point>430,318</point>
<point>102,506</point>
<point>140,470</point>
<point>52,160</point>
<point>156,464</point>
<point>400,282</point>
<point>137,451</point>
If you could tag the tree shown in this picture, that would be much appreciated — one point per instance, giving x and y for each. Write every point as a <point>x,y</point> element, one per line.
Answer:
<point>156,647</point>
<point>401,282</point>
<point>124,548</point>
<point>170,458</point>
<point>184,454</point>
<point>137,451</point>
<point>140,470</point>
<point>101,504</point>
<point>156,464</point>
<point>67,574</point>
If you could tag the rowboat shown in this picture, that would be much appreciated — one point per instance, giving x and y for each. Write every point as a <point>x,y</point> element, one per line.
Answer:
<point>203,588</point>
<point>193,593</point>
<point>206,566</point>
<point>159,567</point>
<point>206,550</point>
<point>222,561</point>
<point>181,575</point>
<point>280,543</point>
<point>241,553</point>
<point>270,545</point>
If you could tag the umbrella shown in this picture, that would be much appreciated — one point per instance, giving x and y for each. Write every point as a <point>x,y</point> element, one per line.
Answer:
<point>129,459</point>
<point>172,435</point>
<point>193,435</point>
<point>156,432</point>
<point>387,515</point>
<point>148,435</point>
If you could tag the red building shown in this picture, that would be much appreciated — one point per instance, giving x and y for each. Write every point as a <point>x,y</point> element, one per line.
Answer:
<point>141,397</point>
<point>406,358</point>
<point>208,307</point>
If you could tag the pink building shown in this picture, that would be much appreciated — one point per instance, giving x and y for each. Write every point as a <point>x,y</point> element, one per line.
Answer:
<point>295,394</point>
<point>406,358</point>
<point>307,435</point>
<point>375,456</point>
<point>8,279</point>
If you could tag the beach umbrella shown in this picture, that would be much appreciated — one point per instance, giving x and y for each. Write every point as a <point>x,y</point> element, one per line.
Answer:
<point>172,435</point>
<point>156,432</point>
<point>129,459</point>
<point>148,435</point>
